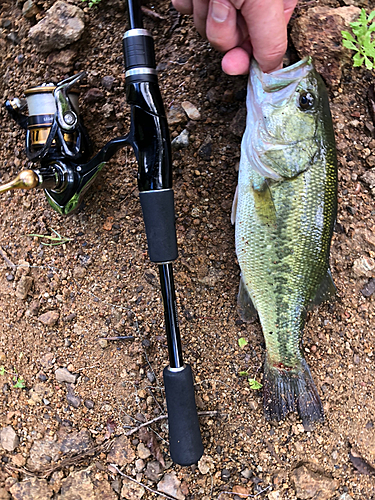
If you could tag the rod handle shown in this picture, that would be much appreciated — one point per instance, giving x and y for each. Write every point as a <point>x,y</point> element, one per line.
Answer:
<point>185,439</point>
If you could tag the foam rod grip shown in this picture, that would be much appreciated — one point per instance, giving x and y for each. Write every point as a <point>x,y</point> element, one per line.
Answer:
<point>185,440</point>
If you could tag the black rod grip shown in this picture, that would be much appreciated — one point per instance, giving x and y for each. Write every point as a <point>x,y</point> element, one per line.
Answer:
<point>185,440</point>
<point>159,219</point>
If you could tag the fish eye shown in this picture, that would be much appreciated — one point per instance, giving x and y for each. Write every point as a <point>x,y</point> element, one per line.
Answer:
<point>306,100</point>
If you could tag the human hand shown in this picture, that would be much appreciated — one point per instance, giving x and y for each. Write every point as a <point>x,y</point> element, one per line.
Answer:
<point>242,28</point>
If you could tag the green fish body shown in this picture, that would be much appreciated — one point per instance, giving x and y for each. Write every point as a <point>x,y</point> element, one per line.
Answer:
<point>284,214</point>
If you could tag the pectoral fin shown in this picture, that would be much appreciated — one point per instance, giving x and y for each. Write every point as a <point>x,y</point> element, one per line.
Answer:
<point>234,207</point>
<point>326,290</point>
<point>246,309</point>
<point>263,202</point>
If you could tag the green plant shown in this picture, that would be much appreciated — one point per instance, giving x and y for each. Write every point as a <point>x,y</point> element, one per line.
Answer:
<point>242,342</point>
<point>254,384</point>
<point>19,382</point>
<point>92,3</point>
<point>363,44</point>
<point>2,370</point>
<point>56,240</point>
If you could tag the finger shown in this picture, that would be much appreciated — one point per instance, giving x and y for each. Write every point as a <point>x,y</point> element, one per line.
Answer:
<point>200,11</point>
<point>289,6</point>
<point>222,29</point>
<point>236,62</point>
<point>183,6</point>
<point>266,23</point>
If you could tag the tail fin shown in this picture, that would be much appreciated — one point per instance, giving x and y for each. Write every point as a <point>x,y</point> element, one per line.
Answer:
<point>293,390</point>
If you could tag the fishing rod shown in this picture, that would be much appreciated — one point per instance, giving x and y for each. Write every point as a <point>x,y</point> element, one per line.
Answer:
<point>57,139</point>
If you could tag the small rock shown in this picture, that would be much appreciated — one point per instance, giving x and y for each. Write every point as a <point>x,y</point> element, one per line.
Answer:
<point>29,9</point>
<point>4,495</point>
<point>247,473</point>
<point>10,277</point>
<point>107,82</point>
<point>93,95</point>
<point>191,110</point>
<point>32,489</point>
<point>153,471</point>
<point>206,148</point>
<point>176,116</point>
<point>143,451</point>
<point>206,464</point>
<point>356,359</point>
<point>64,375</point>
<point>131,490</point>
<point>369,289</point>
<point>55,481</point>
<point>275,495</point>
<point>62,60</point>
<point>8,438</point>
<point>89,404</point>
<point>73,400</point>
<point>225,474</point>
<point>62,25</point>
<point>369,178</point>
<point>47,360</point>
<point>181,141</point>
<point>241,491</point>
<point>34,307</point>
<point>86,485</point>
<point>42,453</point>
<point>121,452</point>
<point>23,287</point>
<point>171,485</point>
<point>76,442</point>
<point>238,124</point>
<point>6,23</point>
<point>49,318</point>
<point>309,484</point>
<point>364,266</point>
<point>139,465</point>
<point>103,343</point>
<point>151,377</point>
<point>307,38</point>
<point>345,496</point>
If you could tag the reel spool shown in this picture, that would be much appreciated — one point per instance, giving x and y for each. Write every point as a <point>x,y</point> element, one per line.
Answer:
<point>42,109</point>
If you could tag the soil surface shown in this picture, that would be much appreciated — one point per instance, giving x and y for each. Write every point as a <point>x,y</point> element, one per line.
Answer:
<point>100,283</point>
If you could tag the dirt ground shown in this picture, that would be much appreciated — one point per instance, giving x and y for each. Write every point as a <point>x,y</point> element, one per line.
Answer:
<point>101,282</point>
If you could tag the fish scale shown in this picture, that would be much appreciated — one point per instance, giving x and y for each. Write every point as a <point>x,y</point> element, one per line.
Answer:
<point>284,223</point>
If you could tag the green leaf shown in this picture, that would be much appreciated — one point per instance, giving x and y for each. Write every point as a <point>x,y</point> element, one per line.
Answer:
<point>358,59</point>
<point>349,45</point>
<point>254,384</point>
<point>347,36</point>
<point>368,64</point>
<point>20,383</point>
<point>371,16</point>
<point>243,374</point>
<point>2,370</point>
<point>242,342</point>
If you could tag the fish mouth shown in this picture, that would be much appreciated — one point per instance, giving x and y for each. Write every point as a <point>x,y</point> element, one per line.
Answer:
<point>281,78</point>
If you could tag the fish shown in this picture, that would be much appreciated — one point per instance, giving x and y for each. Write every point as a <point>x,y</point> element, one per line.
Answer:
<point>284,213</point>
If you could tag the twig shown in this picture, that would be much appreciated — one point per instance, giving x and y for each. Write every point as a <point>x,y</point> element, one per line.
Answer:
<point>152,14</point>
<point>141,484</point>
<point>243,495</point>
<point>128,337</point>
<point>7,260</point>
<point>163,417</point>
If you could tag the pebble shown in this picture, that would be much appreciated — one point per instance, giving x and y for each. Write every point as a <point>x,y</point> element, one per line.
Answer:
<point>139,465</point>
<point>153,471</point>
<point>10,277</point>
<point>205,149</point>
<point>62,25</point>
<point>107,82</point>
<point>225,475</point>
<point>171,485</point>
<point>369,288</point>
<point>151,377</point>
<point>24,286</point>
<point>345,496</point>
<point>93,95</point>
<point>247,473</point>
<point>64,375</point>
<point>103,343</point>
<point>181,141</point>
<point>8,438</point>
<point>205,464</point>
<point>73,400</point>
<point>238,124</point>
<point>86,484</point>
<point>29,9</point>
<point>121,452</point>
<point>356,359</point>
<point>31,489</point>
<point>191,110</point>
<point>176,116</point>
<point>131,490</point>
<point>89,404</point>
<point>316,484</point>
<point>143,451</point>
<point>364,267</point>
<point>47,360</point>
<point>49,318</point>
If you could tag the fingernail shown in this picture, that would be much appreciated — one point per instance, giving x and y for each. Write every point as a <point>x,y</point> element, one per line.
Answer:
<point>219,12</point>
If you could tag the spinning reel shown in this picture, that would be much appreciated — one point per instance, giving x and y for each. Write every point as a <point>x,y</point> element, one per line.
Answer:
<point>57,140</point>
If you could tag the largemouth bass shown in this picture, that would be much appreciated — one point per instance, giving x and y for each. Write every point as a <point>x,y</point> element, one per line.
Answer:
<point>284,212</point>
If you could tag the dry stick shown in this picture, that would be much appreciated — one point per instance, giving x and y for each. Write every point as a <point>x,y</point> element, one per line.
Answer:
<point>7,260</point>
<point>152,14</point>
<point>163,417</point>
<point>141,484</point>
<point>243,495</point>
